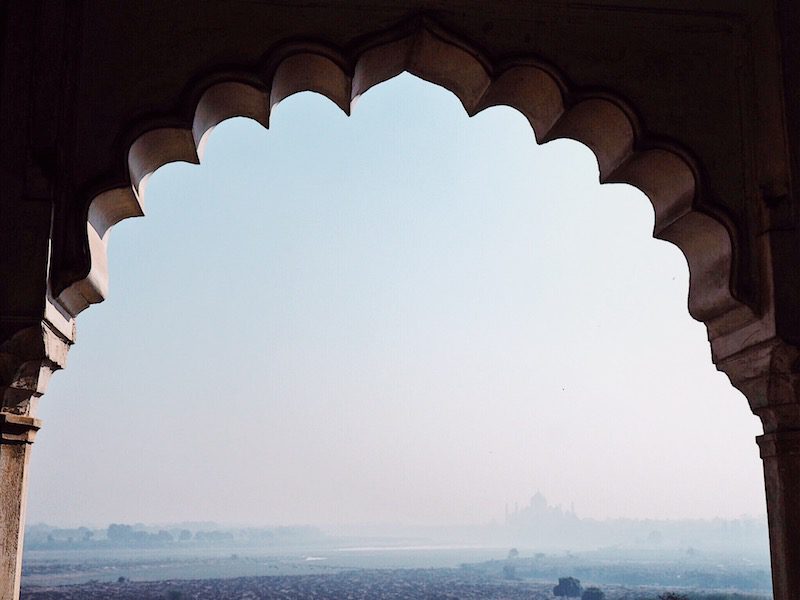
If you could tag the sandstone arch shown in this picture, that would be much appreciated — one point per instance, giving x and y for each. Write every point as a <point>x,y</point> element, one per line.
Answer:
<point>600,121</point>
<point>695,105</point>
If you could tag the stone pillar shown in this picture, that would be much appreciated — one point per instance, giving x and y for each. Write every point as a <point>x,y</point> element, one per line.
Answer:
<point>16,437</point>
<point>27,359</point>
<point>780,452</point>
<point>768,373</point>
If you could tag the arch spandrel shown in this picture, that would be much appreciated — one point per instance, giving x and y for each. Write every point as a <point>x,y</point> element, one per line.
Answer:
<point>608,125</point>
<point>658,60</point>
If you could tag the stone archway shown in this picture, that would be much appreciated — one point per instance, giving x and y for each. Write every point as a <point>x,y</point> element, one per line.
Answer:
<point>734,286</point>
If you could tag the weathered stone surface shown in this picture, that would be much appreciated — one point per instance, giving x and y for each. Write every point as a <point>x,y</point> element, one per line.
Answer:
<point>697,104</point>
<point>27,360</point>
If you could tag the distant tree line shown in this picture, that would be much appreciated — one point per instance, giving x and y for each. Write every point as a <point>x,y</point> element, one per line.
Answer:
<point>126,534</point>
<point>46,537</point>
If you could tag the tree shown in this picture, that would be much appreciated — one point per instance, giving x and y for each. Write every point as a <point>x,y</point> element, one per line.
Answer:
<point>568,586</point>
<point>673,596</point>
<point>119,533</point>
<point>513,553</point>
<point>593,593</point>
<point>164,536</point>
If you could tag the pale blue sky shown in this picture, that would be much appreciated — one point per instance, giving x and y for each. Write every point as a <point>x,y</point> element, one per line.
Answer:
<point>405,315</point>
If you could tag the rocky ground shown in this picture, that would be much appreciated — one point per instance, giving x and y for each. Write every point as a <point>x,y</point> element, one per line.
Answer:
<point>406,584</point>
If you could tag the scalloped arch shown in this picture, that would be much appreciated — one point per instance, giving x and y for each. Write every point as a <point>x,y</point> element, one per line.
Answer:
<point>600,121</point>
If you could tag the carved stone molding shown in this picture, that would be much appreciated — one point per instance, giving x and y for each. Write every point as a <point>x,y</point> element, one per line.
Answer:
<point>779,444</point>
<point>16,429</point>
<point>768,374</point>
<point>27,361</point>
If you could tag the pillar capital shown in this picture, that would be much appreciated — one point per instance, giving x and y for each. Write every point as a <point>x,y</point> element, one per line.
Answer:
<point>27,360</point>
<point>768,374</point>
<point>18,429</point>
<point>782,443</point>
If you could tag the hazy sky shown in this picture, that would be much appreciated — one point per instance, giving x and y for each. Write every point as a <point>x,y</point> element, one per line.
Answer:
<point>402,316</point>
